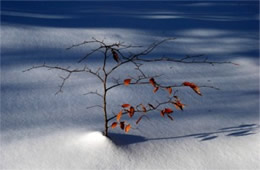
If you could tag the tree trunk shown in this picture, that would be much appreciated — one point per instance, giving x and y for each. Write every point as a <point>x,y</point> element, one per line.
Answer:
<point>105,106</point>
<point>105,115</point>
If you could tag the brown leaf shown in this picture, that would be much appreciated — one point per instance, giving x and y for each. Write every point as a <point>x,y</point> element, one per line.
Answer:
<point>152,81</point>
<point>114,124</point>
<point>119,115</point>
<point>194,87</point>
<point>176,97</point>
<point>162,113</point>
<point>127,128</point>
<point>187,83</point>
<point>151,106</point>
<point>169,89</point>
<point>144,109</point>
<point>197,90</point>
<point>170,117</point>
<point>155,89</point>
<point>115,56</point>
<point>178,105</point>
<point>168,110</point>
<point>131,111</point>
<point>125,105</point>
<point>127,82</point>
<point>122,125</point>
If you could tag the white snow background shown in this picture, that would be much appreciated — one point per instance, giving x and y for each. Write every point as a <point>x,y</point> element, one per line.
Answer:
<point>41,130</point>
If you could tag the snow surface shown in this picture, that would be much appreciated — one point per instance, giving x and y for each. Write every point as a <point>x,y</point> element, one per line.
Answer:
<point>40,130</point>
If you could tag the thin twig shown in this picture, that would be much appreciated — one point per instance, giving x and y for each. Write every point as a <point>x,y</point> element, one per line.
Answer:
<point>184,61</point>
<point>95,93</point>
<point>99,106</point>
<point>88,54</point>
<point>80,44</point>
<point>64,79</point>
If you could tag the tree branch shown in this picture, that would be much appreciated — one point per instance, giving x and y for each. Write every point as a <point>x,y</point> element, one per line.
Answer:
<point>144,52</point>
<point>94,106</point>
<point>80,44</point>
<point>138,81</point>
<point>151,48</point>
<point>64,79</point>
<point>69,71</point>
<point>88,54</point>
<point>151,108</point>
<point>185,60</point>
<point>95,93</point>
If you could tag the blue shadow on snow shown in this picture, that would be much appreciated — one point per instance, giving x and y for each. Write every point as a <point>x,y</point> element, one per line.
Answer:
<point>236,131</point>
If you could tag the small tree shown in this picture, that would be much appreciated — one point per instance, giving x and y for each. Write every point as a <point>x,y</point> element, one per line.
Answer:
<point>121,58</point>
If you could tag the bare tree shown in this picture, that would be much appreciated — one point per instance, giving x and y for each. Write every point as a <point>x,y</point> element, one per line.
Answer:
<point>118,52</point>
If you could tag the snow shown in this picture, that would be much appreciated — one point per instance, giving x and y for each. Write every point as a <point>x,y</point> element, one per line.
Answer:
<point>40,130</point>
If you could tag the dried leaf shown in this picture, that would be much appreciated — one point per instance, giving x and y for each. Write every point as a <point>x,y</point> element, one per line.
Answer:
<point>127,82</point>
<point>170,117</point>
<point>127,128</point>
<point>176,97</point>
<point>122,125</point>
<point>114,124</point>
<point>115,56</point>
<point>155,89</point>
<point>131,111</point>
<point>125,105</point>
<point>194,87</point>
<point>197,90</point>
<point>187,83</point>
<point>169,89</point>
<point>139,119</point>
<point>119,115</point>
<point>178,105</point>
<point>168,110</point>
<point>152,81</point>
<point>143,108</point>
<point>151,106</point>
<point>162,113</point>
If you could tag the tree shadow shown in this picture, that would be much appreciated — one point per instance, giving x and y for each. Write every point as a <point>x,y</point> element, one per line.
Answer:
<point>235,131</point>
<point>124,139</point>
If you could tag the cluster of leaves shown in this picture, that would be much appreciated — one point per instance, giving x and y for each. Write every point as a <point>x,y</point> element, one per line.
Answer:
<point>166,111</point>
